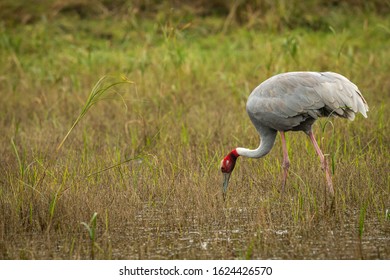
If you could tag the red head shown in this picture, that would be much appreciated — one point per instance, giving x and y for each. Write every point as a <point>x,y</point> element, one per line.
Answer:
<point>227,166</point>
<point>228,163</point>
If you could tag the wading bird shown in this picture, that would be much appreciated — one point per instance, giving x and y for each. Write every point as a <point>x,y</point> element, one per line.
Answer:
<point>293,101</point>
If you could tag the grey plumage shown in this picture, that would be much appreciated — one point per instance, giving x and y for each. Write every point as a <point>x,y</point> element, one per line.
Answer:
<point>294,100</point>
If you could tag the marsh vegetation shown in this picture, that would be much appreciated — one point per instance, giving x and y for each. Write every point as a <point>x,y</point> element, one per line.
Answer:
<point>138,175</point>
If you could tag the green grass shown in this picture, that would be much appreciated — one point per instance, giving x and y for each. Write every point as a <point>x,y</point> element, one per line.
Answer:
<point>146,162</point>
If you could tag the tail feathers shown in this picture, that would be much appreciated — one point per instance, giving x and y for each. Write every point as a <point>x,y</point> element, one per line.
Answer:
<point>344,99</point>
<point>359,106</point>
<point>362,105</point>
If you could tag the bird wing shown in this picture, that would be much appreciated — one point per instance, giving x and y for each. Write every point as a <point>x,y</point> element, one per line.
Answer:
<point>286,100</point>
<point>341,95</point>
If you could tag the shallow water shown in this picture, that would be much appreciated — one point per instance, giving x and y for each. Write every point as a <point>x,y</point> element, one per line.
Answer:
<point>157,234</point>
<point>240,238</point>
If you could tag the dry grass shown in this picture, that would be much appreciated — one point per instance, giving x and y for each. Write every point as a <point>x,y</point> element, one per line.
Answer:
<point>172,127</point>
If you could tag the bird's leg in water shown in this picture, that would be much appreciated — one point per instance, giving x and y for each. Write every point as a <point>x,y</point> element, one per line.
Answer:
<point>286,160</point>
<point>323,163</point>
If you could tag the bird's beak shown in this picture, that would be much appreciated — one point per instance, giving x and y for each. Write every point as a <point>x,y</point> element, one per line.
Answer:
<point>226,177</point>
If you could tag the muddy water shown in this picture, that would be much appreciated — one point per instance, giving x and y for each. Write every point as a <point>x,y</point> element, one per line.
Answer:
<point>243,238</point>
<point>155,233</point>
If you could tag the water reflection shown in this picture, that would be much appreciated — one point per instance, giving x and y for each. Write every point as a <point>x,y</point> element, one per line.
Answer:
<point>241,236</point>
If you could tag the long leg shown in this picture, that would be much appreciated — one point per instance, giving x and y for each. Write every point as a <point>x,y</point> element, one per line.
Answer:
<point>286,160</point>
<point>324,164</point>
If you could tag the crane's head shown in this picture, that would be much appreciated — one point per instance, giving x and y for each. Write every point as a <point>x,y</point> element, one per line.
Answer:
<point>227,166</point>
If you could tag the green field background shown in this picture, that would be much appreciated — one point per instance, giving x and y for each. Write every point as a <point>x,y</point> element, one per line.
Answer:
<point>138,176</point>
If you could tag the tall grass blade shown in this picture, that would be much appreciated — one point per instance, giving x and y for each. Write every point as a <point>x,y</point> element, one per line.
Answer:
<point>99,92</point>
<point>21,165</point>
<point>113,166</point>
<point>362,217</point>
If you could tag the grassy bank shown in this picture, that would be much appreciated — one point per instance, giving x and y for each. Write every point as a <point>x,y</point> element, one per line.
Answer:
<point>183,112</point>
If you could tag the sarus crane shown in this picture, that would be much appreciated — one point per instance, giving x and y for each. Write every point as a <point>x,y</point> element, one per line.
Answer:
<point>293,101</point>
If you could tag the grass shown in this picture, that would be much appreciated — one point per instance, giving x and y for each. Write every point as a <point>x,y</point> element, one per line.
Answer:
<point>146,164</point>
<point>91,229</point>
<point>99,92</point>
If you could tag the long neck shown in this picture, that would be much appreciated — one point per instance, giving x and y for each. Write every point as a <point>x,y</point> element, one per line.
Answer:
<point>267,140</point>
